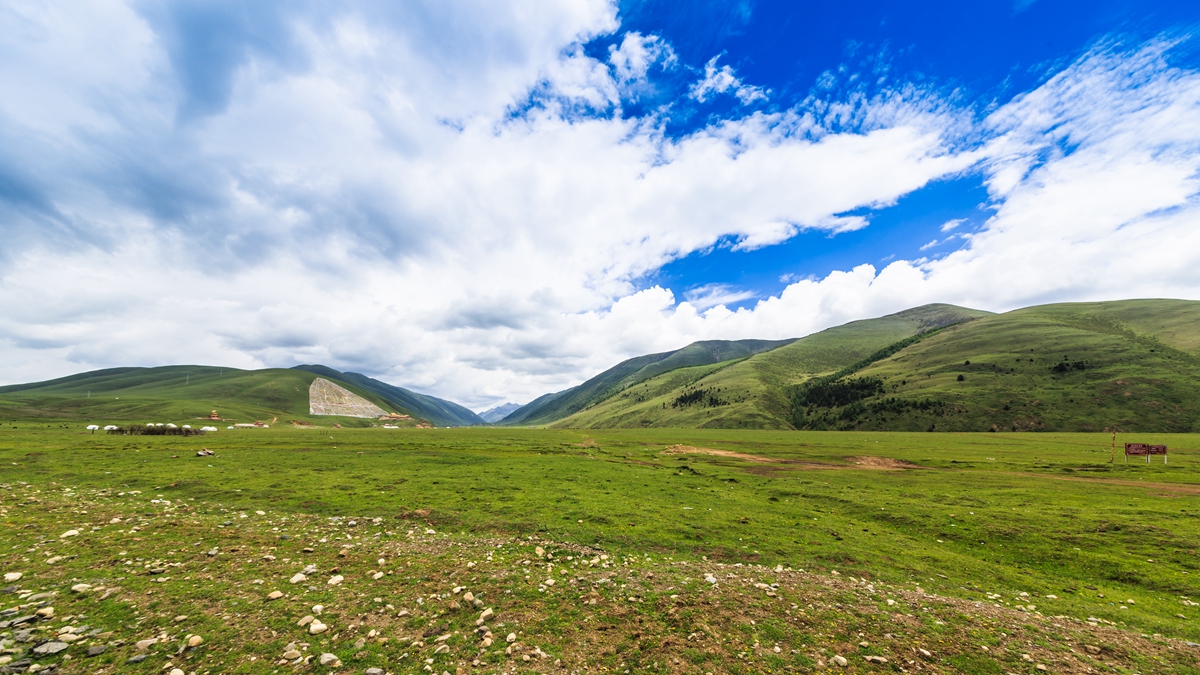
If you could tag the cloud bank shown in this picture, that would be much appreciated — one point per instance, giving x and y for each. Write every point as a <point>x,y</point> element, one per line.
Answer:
<point>452,197</point>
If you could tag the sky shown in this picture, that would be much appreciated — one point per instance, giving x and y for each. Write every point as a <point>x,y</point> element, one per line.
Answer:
<point>487,200</point>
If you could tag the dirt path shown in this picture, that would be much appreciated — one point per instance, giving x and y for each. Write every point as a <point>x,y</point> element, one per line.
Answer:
<point>865,462</point>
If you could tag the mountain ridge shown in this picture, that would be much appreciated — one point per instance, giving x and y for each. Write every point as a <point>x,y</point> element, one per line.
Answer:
<point>630,372</point>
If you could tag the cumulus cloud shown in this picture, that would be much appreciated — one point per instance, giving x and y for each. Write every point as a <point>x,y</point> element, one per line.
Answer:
<point>637,54</point>
<point>450,197</point>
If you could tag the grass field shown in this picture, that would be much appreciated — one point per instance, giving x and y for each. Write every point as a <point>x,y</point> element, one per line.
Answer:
<point>953,527</point>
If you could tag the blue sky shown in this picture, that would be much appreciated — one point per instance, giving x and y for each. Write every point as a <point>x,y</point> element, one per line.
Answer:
<point>984,52</point>
<point>487,200</point>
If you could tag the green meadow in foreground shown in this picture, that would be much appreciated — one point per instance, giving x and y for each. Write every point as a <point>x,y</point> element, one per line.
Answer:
<point>672,550</point>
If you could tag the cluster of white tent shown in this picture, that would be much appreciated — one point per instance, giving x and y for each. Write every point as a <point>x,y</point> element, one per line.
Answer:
<point>112,427</point>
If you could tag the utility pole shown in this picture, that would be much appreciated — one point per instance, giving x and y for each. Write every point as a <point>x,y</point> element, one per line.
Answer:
<point>1112,455</point>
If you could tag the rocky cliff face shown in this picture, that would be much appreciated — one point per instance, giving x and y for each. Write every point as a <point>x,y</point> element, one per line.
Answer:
<point>327,398</point>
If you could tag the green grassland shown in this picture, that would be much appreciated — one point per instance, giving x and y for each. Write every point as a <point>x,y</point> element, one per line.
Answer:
<point>1069,367</point>
<point>956,541</point>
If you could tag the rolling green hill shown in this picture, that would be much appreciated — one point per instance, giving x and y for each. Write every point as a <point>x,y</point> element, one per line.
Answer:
<point>441,412</point>
<point>754,392</point>
<point>626,374</point>
<point>1065,367</point>
<point>184,393</point>
<point>1134,364</point>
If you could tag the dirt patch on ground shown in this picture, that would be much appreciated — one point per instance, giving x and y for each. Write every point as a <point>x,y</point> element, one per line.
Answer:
<point>884,463</point>
<point>865,462</point>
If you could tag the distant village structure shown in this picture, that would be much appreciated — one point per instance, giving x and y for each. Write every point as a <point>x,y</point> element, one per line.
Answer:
<point>327,398</point>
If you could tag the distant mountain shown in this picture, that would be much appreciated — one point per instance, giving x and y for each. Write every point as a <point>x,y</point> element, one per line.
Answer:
<point>440,412</point>
<point>1133,364</point>
<point>177,393</point>
<point>551,407</point>
<point>188,392</point>
<point>493,415</point>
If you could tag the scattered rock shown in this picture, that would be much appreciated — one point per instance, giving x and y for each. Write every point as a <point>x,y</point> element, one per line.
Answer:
<point>335,580</point>
<point>69,533</point>
<point>180,618</point>
<point>143,645</point>
<point>304,621</point>
<point>875,659</point>
<point>298,577</point>
<point>317,609</point>
<point>274,595</point>
<point>177,671</point>
<point>291,654</point>
<point>316,627</point>
<point>45,613</point>
<point>195,641</point>
<point>512,637</point>
<point>486,614</point>
<point>328,659</point>
<point>137,658</point>
<point>374,671</point>
<point>10,577</point>
<point>96,650</point>
<point>839,661</point>
<point>50,648</point>
<point>1091,649</point>
<point>81,588</point>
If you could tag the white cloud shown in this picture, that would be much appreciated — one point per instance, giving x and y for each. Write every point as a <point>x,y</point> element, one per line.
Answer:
<point>722,80</point>
<point>711,295</point>
<point>952,224</point>
<point>429,200</point>
<point>637,53</point>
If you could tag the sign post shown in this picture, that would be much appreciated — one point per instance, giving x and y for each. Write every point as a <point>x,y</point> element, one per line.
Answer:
<point>1145,449</point>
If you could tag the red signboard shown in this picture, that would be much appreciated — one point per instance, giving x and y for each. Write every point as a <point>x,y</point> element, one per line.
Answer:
<point>1145,450</point>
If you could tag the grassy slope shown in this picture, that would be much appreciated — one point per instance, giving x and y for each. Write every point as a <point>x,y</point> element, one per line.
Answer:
<point>1142,370</point>
<point>172,393</point>
<point>626,374</point>
<point>440,412</point>
<point>757,387</point>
